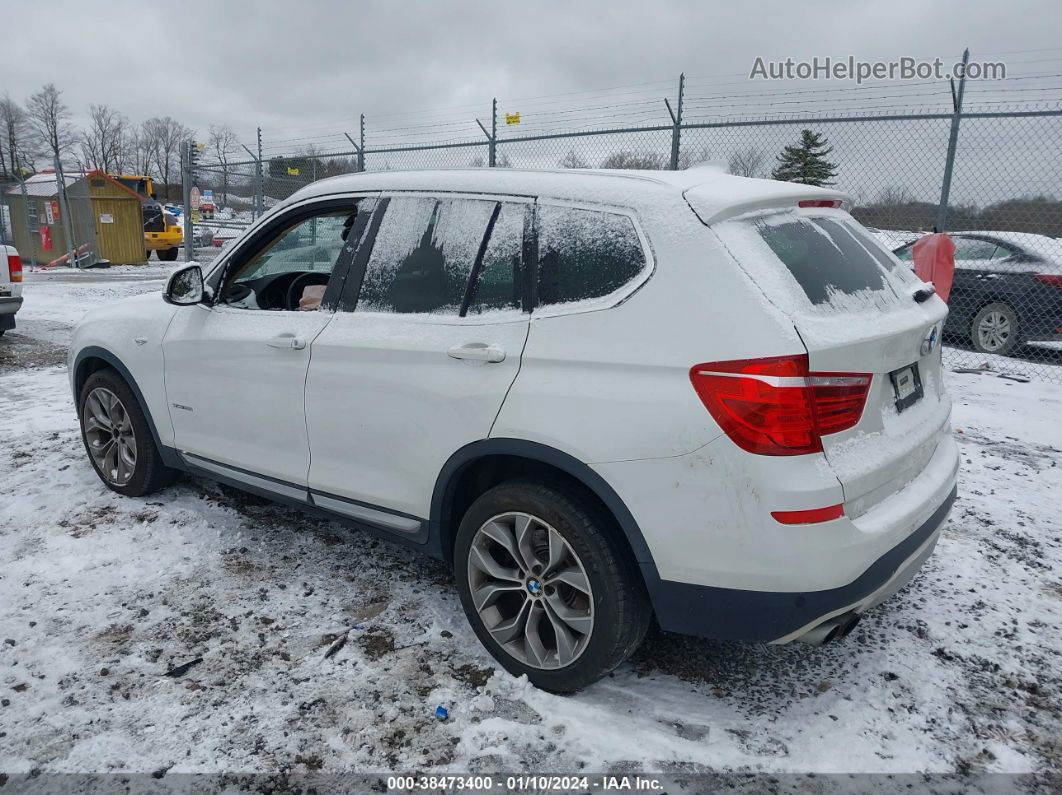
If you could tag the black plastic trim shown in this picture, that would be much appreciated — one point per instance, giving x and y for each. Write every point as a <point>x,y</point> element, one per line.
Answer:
<point>765,616</point>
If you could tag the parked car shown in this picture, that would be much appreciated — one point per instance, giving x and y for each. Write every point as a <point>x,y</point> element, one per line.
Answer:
<point>10,286</point>
<point>599,396</point>
<point>1007,289</point>
<point>224,236</point>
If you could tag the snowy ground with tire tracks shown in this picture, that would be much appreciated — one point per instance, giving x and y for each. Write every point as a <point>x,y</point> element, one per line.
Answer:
<point>292,644</point>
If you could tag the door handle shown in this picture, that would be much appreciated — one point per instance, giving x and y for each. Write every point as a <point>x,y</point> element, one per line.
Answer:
<point>477,352</point>
<point>287,342</point>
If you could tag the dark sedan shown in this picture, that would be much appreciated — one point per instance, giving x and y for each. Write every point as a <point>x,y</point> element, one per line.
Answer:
<point>1007,289</point>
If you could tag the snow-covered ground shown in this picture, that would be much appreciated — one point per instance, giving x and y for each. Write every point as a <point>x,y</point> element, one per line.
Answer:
<point>102,596</point>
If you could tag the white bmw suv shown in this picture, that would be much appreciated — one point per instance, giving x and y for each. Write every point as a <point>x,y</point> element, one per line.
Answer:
<point>600,396</point>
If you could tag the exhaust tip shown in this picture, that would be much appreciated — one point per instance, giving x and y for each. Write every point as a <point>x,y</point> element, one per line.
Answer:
<point>830,630</point>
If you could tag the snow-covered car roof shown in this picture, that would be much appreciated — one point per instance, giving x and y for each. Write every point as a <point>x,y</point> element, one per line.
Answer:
<point>712,193</point>
<point>1049,248</point>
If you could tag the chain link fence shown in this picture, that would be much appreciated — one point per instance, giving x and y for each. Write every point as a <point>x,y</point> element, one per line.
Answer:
<point>990,177</point>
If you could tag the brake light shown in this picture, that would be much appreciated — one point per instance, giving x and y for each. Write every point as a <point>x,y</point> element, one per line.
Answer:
<point>14,267</point>
<point>835,203</point>
<point>776,406</point>
<point>1050,279</point>
<point>809,517</point>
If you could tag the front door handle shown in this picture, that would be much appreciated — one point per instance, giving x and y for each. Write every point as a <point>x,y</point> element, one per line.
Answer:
<point>287,342</point>
<point>477,352</point>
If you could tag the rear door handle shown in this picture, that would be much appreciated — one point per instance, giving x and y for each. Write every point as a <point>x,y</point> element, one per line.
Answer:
<point>287,342</point>
<point>477,352</point>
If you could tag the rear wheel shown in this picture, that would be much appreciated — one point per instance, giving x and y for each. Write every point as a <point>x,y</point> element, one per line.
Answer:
<point>167,255</point>
<point>546,589</point>
<point>118,439</point>
<point>995,329</point>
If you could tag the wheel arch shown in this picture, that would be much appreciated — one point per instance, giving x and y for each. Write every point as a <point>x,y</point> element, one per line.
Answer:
<point>480,465</point>
<point>91,360</point>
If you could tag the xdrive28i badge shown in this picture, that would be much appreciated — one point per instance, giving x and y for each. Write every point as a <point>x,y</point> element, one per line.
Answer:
<point>930,340</point>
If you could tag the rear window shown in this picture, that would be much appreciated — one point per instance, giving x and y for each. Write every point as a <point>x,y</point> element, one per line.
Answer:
<point>832,261</point>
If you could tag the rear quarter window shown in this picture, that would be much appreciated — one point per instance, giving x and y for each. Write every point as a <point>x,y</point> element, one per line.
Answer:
<point>585,255</point>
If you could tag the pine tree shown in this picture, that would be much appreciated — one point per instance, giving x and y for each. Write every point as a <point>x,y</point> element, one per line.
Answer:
<point>806,162</point>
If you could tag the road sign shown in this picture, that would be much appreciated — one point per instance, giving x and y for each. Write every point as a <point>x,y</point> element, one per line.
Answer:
<point>197,197</point>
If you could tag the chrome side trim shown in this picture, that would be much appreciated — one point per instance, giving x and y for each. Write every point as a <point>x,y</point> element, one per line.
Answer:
<point>390,521</point>
<point>258,481</point>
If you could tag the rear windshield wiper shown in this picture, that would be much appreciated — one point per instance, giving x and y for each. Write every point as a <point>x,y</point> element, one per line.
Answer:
<point>923,294</point>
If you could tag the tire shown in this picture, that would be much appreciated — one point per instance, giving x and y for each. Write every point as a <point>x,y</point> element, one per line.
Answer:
<point>167,255</point>
<point>99,418</point>
<point>612,613</point>
<point>996,329</point>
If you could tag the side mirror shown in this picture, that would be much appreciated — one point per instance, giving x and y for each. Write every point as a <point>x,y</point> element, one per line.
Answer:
<point>185,287</point>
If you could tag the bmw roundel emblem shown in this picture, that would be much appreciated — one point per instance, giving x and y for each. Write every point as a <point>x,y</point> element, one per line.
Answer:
<point>930,340</point>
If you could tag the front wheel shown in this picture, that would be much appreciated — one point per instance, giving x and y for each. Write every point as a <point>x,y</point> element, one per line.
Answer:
<point>117,437</point>
<point>995,329</point>
<point>548,591</point>
<point>167,255</point>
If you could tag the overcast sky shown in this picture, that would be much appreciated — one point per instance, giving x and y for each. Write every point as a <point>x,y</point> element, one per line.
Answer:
<point>299,68</point>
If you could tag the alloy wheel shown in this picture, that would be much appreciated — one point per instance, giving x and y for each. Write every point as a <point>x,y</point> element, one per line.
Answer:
<point>109,435</point>
<point>530,590</point>
<point>993,331</point>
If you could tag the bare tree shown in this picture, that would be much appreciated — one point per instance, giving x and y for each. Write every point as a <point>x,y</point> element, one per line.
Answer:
<point>573,160</point>
<point>222,142</point>
<point>103,144</point>
<point>634,160</point>
<point>163,142</point>
<point>49,118</point>
<point>138,152</point>
<point>749,162</point>
<point>16,152</point>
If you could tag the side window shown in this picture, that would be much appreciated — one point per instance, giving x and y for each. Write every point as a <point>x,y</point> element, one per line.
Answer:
<point>423,255</point>
<point>501,276</point>
<point>290,270</point>
<point>968,248</point>
<point>584,254</point>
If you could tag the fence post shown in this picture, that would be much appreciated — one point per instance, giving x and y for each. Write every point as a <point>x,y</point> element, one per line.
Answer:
<point>493,152</point>
<point>953,140</point>
<point>676,123</point>
<point>64,209</point>
<point>34,243</point>
<point>186,192</point>
<point>361,145</point>
<point>259,196</point>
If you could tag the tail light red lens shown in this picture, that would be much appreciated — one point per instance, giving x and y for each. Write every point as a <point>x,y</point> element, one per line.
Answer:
<point>14,267</point>
<point>776,406</point>
<point>819,203</point>
<point>1050,279</point>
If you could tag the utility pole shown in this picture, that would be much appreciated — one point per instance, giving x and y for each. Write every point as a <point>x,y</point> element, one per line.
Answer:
<point>953,142</point>
<point>676,123</point>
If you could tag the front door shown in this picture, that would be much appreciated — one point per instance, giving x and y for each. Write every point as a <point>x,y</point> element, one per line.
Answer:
<point>417,363</point>
<point>236,370</point>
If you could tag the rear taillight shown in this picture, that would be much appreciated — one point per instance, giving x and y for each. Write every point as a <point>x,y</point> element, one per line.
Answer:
<point>14,267</point>
<point>835,203</point>
<point>776,406</point>
<point>1050,279</point>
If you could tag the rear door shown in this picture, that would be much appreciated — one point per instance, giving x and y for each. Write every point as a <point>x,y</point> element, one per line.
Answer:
<point>857,310</point>
<point>417,361</point>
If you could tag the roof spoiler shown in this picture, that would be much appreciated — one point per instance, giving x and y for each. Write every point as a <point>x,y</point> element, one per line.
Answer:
<point>759,194</point>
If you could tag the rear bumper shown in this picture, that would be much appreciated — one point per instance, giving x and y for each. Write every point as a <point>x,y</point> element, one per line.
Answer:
<point>9,305</point>
<point>779,617</point>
